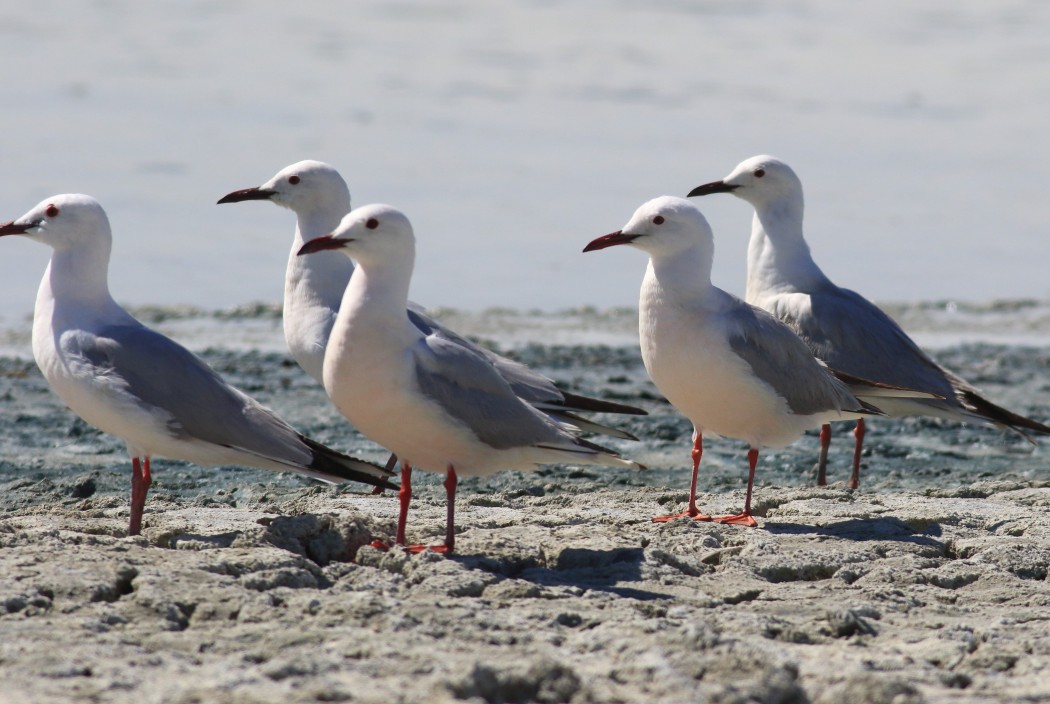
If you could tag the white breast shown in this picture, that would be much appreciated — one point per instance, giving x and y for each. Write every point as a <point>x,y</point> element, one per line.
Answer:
<point>689,359</point>
<point>370,377</point>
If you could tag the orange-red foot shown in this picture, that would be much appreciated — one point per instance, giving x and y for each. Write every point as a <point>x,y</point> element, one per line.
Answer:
<point>415,549</point>
<point>380,545</point>
<point>684,514</point>
<point>740,519</point>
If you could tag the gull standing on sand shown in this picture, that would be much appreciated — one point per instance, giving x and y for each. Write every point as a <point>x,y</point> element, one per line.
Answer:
<point>314,287</point>
<point>841,327</point>
<point>731,368</point>
<point>130,381</point>
<point>437,405</point>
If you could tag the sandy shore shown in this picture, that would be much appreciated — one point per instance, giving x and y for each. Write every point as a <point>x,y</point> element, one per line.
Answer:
<point>838,597</point>
<point>928,584</point>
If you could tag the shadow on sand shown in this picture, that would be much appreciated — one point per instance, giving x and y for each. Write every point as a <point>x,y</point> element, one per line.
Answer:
<point>592,570</point>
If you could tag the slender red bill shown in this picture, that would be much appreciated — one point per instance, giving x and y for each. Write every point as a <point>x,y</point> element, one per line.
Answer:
<point>12,228</point>
<point>610,240</point>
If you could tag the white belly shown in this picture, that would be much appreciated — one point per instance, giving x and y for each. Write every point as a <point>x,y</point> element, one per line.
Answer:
<point>374,387</point>
<point>692,364</point>
<point>101,404</point>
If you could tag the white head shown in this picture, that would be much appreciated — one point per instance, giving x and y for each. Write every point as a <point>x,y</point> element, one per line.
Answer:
<point>758,180</point>
<point>302,187</point>
<point>663,227</point>
<point>63,222</point>
<point>371,234</point>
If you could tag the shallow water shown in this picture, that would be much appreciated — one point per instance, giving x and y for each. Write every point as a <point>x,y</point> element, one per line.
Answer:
<point>513,133</point>
<point>590,351</point>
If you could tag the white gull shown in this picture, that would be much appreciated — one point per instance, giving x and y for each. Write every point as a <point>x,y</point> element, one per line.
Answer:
<point>130,381</point>
<point>731,368</point>
<point>436,404</point>
<point>314,288</point>
<point>841,327</point>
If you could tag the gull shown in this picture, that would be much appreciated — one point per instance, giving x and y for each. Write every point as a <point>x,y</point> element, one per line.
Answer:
<point>130,381</point>
<point>841,327</point>
<point>438,405</point>
<point>314,287</point>
<point>731,368</point>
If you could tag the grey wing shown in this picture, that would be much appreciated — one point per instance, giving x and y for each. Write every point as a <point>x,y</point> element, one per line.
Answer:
<point>162,375</point>
<point>526,383</point>
<point>468,388</point>
<point>782,360</point>
<point>855,336</point>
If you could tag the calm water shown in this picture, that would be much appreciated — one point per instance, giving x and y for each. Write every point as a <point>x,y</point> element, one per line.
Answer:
<point>513,133</point>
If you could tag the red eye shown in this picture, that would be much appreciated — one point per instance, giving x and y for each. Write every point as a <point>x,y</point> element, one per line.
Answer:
<point>372,223</point>
<point>658,220</point>
<point>52,211</point>
<point>294,180</point>
<point>759,173</point>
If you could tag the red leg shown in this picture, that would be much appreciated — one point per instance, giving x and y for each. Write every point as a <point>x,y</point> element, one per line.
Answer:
<point>822,463</point>
<point>745,518</point>
<point>405,497</point>
<point>140,481</point>
<point>858,434</point>
<point>451,481</point>
<point>692,511</point>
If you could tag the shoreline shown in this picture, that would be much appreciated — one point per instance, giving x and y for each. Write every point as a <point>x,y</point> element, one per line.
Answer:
<point>256,326</point>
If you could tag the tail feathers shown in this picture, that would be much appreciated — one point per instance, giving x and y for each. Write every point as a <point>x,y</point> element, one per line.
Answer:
<point>584,425</point>
<point>1001,416</point>
<point>575,402</point>
<point>332,466</point>
<point>966,405</point>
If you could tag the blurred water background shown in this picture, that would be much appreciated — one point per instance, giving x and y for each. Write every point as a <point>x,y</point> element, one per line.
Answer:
<point>513,133</point>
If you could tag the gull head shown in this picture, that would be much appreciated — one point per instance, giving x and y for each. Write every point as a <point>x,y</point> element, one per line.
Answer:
<point>662,227</point>
<point>758,180</point>
<point>302,187</point>
<point>369,234</point>
<point>62,221</point>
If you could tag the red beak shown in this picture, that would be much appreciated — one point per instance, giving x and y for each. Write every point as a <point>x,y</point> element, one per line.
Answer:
<point>10,228</point>
<point>610,240</point>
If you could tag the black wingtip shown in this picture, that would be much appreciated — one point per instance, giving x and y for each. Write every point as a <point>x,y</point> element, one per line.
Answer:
<point>601,448</point>
<point>998,414</point>
<point>589,426</point>
<point>869,409</point>
<point>576,402</point>
<point>859,381</point>
<point>344,467</point>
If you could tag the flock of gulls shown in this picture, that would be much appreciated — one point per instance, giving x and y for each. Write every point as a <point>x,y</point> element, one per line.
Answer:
<point>799,353</point>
